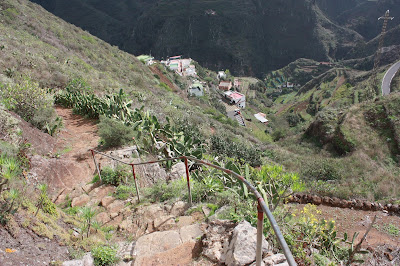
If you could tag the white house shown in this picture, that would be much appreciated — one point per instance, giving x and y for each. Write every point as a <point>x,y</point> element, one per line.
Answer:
<point>261,117</point>
<point>190,71</point>
<point>221,75</point>
<point>289,85</point>
<point>236,98</point>
<point>196,89</point>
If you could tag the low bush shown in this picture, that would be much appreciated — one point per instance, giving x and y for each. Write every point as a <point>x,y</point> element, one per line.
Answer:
<point>114,176</point>
<point>104,255</point>
<point>114,133</point>
<point>223,145</point>
<point>32,103</point>
<point>124,192</point>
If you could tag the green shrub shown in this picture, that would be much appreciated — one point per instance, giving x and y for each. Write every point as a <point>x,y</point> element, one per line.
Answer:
<point>161,191</point>
<point>29,101</point>
<point>223,145</point>
<point>322,169</point>
<point>114,176</point>
<point>124,192</point>
<point>114,133</point>
<point>104,255</point>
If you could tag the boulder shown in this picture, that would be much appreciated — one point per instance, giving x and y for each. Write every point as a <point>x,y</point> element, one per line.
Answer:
<point>103,217</point>
<point>102,191</point>
<point>217,233</point>
<point>174,247</point>
<point>156,242</point>
<point>177,171</point>
<point>116,221</point>
<point>179,208</point>
<point>191,232</point>
<point>125,225</point>
<point>184,221</point>
<point>107,200</point>
<point>80,201</point>
<point>241,249</point>
<point>116,206</point>
<point>164,223</point>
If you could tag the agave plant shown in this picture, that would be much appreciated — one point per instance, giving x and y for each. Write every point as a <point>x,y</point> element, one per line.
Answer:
<point>9,169</point>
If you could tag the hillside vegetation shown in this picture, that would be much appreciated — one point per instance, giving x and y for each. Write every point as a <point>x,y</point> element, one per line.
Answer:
<point>329,129</point>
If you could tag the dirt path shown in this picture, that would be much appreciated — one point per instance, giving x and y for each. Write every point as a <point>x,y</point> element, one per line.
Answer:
<point>74,143</point>
<point>70,163</point>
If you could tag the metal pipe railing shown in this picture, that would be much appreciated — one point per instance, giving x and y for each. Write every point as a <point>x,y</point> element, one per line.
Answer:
<point>261,206</point>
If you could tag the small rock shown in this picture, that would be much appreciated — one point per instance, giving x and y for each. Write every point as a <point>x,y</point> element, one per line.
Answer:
<point>107,200</point>
<point>316,200</point>
<point>116,206</point>
<point>206,211</point>
<point>191,232</point>
<point>125,225</point>
<point>389,256</point>
<point>88,187</point>
<point>60,199</point>
<point>274,259</point>
<point>103,217</point>
<point>113,215</point>
<point>116,221</point>
<point>163,223</point>
<point>185,220</point>
<point>80,201</point>
<point>102,191</point>
<point>179,208</point>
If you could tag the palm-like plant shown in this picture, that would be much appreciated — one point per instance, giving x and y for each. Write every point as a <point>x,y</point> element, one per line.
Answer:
<point>87,214</point>
<point>9,169</point>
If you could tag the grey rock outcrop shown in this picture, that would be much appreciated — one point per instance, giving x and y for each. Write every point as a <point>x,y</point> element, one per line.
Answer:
<point>241,249</point>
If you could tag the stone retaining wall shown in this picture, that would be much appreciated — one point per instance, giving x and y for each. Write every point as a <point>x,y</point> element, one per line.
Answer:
<point>341,203</point>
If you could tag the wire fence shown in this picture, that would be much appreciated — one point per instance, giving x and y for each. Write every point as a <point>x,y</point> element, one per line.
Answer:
<point>261,207</point>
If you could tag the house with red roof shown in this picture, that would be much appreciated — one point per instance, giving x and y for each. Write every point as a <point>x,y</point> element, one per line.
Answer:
<point>236,98</point>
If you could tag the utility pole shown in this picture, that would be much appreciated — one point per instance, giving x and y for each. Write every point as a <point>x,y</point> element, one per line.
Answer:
<point>378,54</point>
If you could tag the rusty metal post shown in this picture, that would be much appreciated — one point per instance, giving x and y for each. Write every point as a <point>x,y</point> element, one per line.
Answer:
<point>188,181</point>
<point>95,164</point>
<point>136,184</point>
<point>260,223</point>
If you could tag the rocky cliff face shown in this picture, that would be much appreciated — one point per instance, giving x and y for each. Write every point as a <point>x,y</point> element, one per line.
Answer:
<point>248,37</point>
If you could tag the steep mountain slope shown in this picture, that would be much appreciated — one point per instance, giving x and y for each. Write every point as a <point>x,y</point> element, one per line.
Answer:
<point>248,37</point>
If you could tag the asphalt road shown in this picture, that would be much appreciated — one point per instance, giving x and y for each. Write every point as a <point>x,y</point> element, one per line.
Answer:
<point>387,79</point>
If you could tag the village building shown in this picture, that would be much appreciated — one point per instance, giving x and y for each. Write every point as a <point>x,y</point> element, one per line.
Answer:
<point>289,85</point>
<point>225,85</point>
<point>196,89</point>
<point>261,117</point>
<point>237,83</point>
<point>221,75</point>
<point>182,66</point>
<point>236,98</point>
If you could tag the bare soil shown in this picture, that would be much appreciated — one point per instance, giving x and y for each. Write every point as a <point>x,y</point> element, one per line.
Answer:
<point>379,241</point>
<point>70,162</point>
